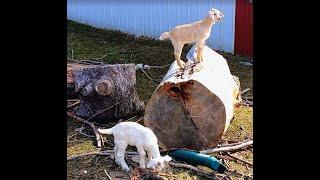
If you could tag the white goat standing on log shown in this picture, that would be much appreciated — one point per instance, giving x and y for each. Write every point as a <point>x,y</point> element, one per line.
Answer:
<point>197,32</point>
<point>134,134</point>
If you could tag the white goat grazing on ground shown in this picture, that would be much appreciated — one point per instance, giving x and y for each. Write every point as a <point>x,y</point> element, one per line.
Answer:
<point>134,134</point>
<point>197,32</point>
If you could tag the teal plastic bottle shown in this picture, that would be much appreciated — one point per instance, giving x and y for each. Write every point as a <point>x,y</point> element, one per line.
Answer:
<point>195,158</point>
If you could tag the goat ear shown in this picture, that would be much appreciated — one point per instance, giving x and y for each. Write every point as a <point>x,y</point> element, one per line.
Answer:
<point>211,14</point>
<point>167,158</point>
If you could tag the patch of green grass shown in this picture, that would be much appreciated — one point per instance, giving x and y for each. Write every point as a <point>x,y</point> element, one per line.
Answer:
<point>241,126</point>
<point>87,43</point>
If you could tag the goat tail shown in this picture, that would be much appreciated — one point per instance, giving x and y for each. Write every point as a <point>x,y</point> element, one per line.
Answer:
<point>105,131</point>
<point>164,36</point>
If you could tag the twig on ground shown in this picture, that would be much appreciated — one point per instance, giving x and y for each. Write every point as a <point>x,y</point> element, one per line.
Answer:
<point>102,125</point>
<point>79,62</point>
<point>249,98</point>
<point>240,175</point>
<point>71,136</point>
<point>87,135</point>
<point>225,162</point>
<point>233,144</point>
<point>106,109</point>
<point>131,118</point>
<point>101,153</point>
<point>72,100</point>
<point>244,91</point>
<point>79,130</point>
<point>148,76</point>
<point>94,62</point>
<point>226,176</point>
<point>241,160</point>
<point>72,54</point>
<point>161,67</point>
<point>195,169</point>
<point>229,148</point>
<point>74,104</point>
<point>245,63</point>
<point>107,55</point>
<point>167,175</point>
<point>88,154</point>
<point>93,127</point>
<point>139,120</point>
<point>105,171</point>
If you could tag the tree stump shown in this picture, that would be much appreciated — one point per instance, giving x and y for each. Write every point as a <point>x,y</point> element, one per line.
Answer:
<point>71,93</point>
<point>194,108</point>
<point>106,92</point>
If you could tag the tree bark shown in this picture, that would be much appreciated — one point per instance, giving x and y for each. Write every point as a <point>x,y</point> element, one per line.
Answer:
<point>102,86</point>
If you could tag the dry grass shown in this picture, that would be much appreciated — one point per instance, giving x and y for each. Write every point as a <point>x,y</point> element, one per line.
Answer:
<point>90,43</point>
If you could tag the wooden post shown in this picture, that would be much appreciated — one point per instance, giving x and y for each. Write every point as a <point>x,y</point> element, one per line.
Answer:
<point>194,108</point>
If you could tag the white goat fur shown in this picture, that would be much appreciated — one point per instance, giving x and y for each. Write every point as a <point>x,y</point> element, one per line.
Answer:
<point>134,134</point>
<point>197,32</point>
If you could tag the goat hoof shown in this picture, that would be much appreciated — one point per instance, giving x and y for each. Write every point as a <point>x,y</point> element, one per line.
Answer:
<point>197,68</point>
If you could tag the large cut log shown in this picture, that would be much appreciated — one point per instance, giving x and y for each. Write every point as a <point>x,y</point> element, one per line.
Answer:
<point>106,92</point>
<point>194,108</point>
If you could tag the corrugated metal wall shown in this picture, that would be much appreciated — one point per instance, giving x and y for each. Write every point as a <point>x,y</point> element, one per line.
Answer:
<point>152,17</point>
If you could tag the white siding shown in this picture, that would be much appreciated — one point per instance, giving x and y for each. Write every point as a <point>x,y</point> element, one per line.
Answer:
<point>152,17</point>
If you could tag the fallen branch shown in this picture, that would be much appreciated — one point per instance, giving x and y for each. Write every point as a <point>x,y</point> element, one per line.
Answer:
<point>105,171</point>
<point>93,61</point>
<point>86,135</point>
<point>131,118</point>
<point>93,127</point>
<point>197,170</point>
<point>108,108</point>
<point>231,158</point>
<point>244,91</point>
<point>226,176</point>
<point>233,144</point>
<point>107,55</point>
<point>139,120</point>
<point>240,175</point>
<point>101,153</point>
<point>245,63</point>
<point>74,104</point>
<point>167,175</point>
<point>224,161</point>
<point>77,61</point>
<point>241,160</point>
<point>172,149</point>
<point>249,98</point>
<point>247,102</point>
<point>148,76</point>
<point>227,149</point>
<point>88,154</point>
<point>79,130</point>
<point>72,100</point>
<point>71,136</point>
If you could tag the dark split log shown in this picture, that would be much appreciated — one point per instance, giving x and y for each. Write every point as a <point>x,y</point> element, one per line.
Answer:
<point>103,86</point>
